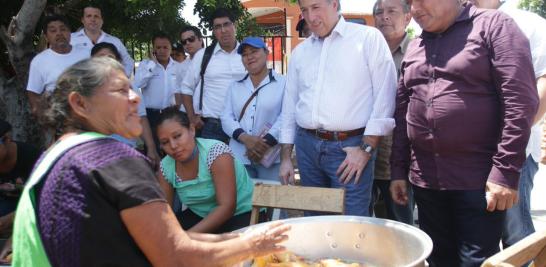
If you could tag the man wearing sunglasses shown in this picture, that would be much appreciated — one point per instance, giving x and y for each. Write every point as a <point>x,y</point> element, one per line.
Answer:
<point>191,40</point>
<point>203,95</point>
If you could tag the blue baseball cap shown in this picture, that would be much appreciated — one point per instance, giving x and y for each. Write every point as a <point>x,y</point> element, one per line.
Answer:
<point>256,42</point>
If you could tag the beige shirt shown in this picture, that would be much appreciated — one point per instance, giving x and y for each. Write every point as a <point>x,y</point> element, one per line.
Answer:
<point>382,169</point>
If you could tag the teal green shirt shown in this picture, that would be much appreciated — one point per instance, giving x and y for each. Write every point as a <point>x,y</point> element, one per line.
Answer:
<point>199,194</point>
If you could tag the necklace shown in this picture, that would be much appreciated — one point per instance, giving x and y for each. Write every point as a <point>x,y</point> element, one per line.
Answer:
<point>192,156</point>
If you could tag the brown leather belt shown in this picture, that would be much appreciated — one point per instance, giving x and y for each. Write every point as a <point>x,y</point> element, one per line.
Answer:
<point>335,136</point>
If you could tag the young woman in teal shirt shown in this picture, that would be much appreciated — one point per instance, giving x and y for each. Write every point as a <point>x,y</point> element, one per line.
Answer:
<point>206,177</point>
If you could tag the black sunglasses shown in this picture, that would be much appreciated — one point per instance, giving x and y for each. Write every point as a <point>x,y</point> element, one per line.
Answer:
<point>190,39</point>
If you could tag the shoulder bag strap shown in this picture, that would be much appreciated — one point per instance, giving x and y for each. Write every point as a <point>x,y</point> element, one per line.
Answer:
<point>271,79</point>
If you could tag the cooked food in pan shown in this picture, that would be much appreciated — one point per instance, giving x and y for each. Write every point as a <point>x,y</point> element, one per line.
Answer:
<point>289,259</point>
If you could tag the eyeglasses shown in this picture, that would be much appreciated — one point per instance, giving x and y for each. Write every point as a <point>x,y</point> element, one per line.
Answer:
<point>219,27</point>
<point>188,40</point>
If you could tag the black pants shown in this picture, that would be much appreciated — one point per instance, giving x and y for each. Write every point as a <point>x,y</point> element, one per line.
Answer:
<point>188,219</point>
<point>212,129</point>
<point>463,232</point>
<point>153,118</point>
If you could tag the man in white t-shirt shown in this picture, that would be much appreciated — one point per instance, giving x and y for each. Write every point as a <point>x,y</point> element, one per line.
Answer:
<point>47,66</point>
<point>518,223</point>
<point>92,34</point>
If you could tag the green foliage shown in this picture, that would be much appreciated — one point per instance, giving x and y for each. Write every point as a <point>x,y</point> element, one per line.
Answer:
<point>536,6</point>
<point>138,20</point>
<point>133,21</point>
<point>246,24</point>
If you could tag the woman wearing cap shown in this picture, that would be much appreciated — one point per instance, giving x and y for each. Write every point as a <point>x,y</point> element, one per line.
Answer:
<point>94,201</point>
<point>252,110</point>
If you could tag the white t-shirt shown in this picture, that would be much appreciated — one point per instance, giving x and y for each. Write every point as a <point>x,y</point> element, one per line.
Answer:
<point>533,26</point>
<point>47,66</point>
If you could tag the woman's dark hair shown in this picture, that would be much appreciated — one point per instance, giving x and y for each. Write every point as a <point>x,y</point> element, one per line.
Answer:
<point>173,113</point>
<point>105,45</point>
<point>83,78</point>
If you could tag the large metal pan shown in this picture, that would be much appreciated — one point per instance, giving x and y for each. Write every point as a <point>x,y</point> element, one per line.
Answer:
<point>373,241</point>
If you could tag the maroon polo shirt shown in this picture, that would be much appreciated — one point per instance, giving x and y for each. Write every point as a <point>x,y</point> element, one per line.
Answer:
<point>465,103</point>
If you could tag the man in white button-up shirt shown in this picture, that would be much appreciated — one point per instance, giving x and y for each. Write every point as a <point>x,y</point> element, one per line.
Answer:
<point>205,107</point>
<point>92,34</point>
<point>159,79</point>
<point>339,101</point>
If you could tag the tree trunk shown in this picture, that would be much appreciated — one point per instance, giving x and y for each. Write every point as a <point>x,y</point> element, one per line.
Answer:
<point>18,41</point>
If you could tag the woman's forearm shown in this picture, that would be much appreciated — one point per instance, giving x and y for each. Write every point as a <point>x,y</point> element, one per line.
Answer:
<point>215,219</point>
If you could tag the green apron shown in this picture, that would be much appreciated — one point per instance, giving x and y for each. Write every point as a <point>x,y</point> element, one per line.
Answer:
<point>28,249</point>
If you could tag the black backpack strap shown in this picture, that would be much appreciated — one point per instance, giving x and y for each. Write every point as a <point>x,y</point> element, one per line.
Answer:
<point>204,64</point>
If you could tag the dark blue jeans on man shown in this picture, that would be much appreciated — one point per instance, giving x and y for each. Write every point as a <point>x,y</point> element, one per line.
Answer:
<point>400,213</point>
<point>463,232</point>
<point>519,223</point>
<point>318,161</point>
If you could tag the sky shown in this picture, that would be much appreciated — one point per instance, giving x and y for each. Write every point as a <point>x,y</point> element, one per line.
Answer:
<point>187,12</point>
<point>346,6</point>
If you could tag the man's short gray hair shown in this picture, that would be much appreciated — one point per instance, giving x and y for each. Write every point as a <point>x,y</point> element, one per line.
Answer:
<point>404,3</point>
<point>83,78</point>
<point>330,1</point>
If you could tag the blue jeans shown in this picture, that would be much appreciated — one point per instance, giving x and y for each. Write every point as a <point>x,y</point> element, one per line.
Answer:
<point>257,171</point>
<point>318,161</point>
<point>212,129</point>
<point>463,232</point>
<point>400,213</point>
<point>519,223</point>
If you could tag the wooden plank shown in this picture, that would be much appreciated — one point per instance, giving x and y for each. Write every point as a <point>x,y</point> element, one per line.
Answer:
<point>299,198</point>
<point>540,260</point>
<point>254,215</point>
<point>520,253</point>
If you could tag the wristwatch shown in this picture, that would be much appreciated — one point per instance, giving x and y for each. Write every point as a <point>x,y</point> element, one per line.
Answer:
<point>367,148</point>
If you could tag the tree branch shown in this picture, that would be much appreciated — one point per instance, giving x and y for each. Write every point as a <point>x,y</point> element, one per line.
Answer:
<point>4,36</point>
<point>27,18</point>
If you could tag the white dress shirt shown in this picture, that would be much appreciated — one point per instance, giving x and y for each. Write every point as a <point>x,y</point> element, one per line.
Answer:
<point>533,26</point>
<point>81,40</point>
<point>264,109</point>
<point>343,82</point>
<point>158,84</point>
<point>223,68</point>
